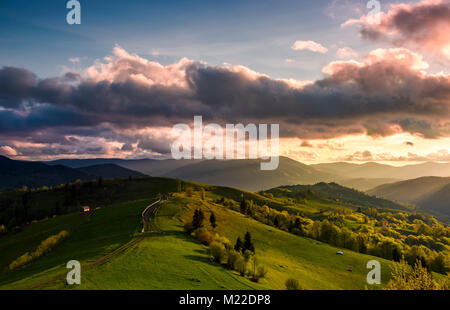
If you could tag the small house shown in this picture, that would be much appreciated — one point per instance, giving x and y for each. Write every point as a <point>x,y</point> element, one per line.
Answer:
<point>85,209</point>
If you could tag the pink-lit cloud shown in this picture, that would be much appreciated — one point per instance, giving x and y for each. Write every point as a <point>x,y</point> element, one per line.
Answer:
<point>424,25</point>
<point>310,46</point>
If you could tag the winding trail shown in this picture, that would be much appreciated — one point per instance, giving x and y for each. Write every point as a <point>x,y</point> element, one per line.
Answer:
<point>147,216</point>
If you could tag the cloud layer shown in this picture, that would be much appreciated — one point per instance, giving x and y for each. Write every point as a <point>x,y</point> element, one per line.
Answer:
<point>424,25</point>
<point>125,103</point>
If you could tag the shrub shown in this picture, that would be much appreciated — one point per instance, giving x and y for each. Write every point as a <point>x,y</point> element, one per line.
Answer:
<point>189,191</point>
<point>405,277</point>
<point>262,271</point>
<point>43,248</point>
<point>204,236</point>
<point>292,284</point>
<point>232,258</point>
<point>226,243</point>
<point>188,228</point>
<point>241,266</point>
<point>218,251</point>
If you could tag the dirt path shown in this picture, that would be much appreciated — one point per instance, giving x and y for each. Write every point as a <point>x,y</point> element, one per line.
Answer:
<point>146,216</point>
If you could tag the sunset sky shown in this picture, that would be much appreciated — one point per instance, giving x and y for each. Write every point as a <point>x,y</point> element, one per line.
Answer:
<point>341,87</point>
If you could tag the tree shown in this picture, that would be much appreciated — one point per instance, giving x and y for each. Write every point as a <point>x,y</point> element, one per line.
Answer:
<point>100,181</point>
<point>238,246</point>
<point>202,193</point>
<point>212,220</point>
<point>189,191</point>
<point>405,277</point>
<point>244,206</point>
<point>217,251</point>
<point>197,220</point>
<point>248,243</point>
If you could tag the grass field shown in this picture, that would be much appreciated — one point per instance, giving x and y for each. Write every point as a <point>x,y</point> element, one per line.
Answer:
<point>90,238</point>
<point>177,261</point>
<point>174,260</point>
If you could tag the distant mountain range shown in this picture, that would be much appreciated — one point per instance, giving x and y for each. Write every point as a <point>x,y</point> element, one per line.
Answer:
<point>430,194</point>
<point>16,174</point>
<point>375,170</point>
<point>246,174</point>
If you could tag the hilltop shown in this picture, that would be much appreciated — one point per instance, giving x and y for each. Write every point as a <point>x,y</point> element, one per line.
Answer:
<point>430,194</point>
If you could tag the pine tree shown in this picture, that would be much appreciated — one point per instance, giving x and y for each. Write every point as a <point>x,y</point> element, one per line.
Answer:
<point>248,243</point>
<point>244,206</point>
<point>212,220</point>
<point>238,246</point>
<point>197,220</point>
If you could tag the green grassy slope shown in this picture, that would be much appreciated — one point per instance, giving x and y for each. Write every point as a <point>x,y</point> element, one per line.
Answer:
<point>106,230</point>
<point>174,260</point>
<point>177,261</point>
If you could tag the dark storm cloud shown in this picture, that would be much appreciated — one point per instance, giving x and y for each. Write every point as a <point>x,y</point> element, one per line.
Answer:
<point>386,93</point>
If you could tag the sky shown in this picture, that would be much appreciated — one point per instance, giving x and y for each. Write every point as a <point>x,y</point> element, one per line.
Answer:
<point>341,87</point>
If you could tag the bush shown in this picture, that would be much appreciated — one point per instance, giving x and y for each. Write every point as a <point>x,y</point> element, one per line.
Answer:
<point>292,284</point>
<point>43,248</point>
<point>204,236</point>
<point>226,243</point>
<point>232,258</point>
<point>241,266</point>
<point>189,191</point>
<point>218,251</point>
<point>188,228</point>
<point>262,271</point>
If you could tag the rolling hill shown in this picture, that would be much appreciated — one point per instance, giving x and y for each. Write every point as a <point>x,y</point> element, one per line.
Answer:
<point>246,174</point>
<point>110,171</point>
<point>153,167</point>
<point>174,260</point>
<point>115,254</point>
<point>15,174</point>
<point>430,194</point>
<point>335,193</point>
<point>375,170</point>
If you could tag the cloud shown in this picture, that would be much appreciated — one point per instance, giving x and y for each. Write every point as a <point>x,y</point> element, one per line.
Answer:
<point>442,155</point>
<point>424,25</point>
<point>310,46</point>
<point>306,144</point>
<point>6,150</point>
<point>74,60</point>
<point>385,93</point>
<point>289,60</point>
<point>346,53</point>
<point>357,156</point>
<point>301,155</point>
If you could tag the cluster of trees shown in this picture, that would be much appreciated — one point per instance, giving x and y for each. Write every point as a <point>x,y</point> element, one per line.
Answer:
<point>240,258</point>
<point>388,234</point>
<point>247,245</point>
<point>198,220</point>
<point>43,248</point>
<point>416,277</point>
